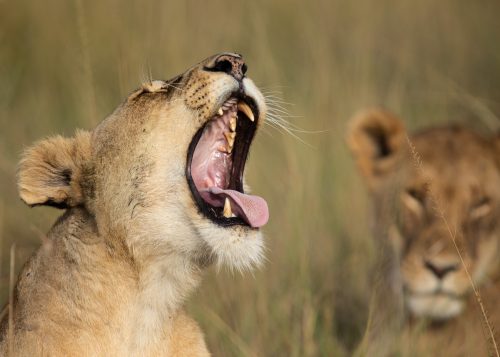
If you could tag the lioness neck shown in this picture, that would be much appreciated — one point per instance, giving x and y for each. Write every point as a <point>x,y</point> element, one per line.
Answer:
<point>94,287</point>
<point>163,284</point>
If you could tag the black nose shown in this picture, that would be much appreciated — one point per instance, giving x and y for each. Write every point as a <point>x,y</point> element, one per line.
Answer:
<point>233,65</point>
<point>442,270</point>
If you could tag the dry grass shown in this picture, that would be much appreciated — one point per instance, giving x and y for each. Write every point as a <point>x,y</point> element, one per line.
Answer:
<point>68,64</point>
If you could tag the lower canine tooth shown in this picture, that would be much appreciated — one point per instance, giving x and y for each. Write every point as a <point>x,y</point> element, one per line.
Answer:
<point>220,112</point>
<point>227,209</point>
<point>230,138</point>
<point>242,106</point>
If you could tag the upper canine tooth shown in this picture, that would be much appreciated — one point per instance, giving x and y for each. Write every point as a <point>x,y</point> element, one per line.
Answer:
<point>220,111</point>
<point>242,106</point>
<point>232,124</point>
<point>227,208</point>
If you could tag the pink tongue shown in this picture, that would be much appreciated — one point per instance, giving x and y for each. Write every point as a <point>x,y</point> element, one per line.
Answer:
<point>253,209</point>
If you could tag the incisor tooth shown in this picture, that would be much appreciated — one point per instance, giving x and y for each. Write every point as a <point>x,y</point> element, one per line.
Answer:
<point>220,112</point>
<point>246,110</point>
<point>230,138</point>
<point>232,124</point>
<point>227,208</point>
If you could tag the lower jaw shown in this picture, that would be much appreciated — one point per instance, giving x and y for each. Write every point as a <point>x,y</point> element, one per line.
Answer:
<point>241,249</point>
<point>438,307</point>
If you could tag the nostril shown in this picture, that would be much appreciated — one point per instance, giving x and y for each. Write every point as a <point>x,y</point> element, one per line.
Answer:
<point>223,65</point>
<point>440,271</point>
<point>231,64</point>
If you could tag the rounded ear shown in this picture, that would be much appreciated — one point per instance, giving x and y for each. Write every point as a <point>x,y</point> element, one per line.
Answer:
<point>52,171</point>
<point>376,139</point>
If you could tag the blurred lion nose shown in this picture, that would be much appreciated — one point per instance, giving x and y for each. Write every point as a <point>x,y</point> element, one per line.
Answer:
<point>233,65</point>
<point>440,270</point>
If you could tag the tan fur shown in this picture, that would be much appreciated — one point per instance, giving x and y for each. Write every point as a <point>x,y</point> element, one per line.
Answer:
<point>464,335</point>
<point>117,266</point>
<point>427,188</point>
<point>46,167</point>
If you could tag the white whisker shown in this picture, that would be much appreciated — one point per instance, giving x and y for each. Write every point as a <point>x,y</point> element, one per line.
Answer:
<point>277,114</point>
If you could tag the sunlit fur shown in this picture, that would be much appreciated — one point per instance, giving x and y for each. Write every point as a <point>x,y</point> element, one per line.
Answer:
<point>132,244</point>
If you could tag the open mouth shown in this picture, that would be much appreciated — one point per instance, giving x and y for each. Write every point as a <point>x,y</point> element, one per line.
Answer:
<point>216,162</point>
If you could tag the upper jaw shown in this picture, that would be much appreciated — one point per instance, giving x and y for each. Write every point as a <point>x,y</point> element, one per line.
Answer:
<point>245,91</point>
<point>246,102</point>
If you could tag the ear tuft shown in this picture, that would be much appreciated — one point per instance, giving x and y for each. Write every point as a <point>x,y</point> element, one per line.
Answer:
<point>376,139</point>
<point>51,171</point>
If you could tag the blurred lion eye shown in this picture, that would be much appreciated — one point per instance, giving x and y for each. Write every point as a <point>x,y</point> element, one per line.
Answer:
<point>415,194</point>
<point>413,200</point>
<point>481,208</point>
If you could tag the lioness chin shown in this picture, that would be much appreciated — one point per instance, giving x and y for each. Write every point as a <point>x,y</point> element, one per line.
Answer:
<point>435,193</point>
<point>152,196</point>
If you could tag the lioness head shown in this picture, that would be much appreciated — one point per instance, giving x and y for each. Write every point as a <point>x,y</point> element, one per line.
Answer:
<point>443,185</point>
<point>163,174</point>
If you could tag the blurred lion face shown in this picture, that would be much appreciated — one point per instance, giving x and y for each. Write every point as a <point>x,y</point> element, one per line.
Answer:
<point>444,187</point>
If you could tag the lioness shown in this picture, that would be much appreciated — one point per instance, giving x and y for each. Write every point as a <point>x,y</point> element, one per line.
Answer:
<point>154,194</point>
<point>435,193</point>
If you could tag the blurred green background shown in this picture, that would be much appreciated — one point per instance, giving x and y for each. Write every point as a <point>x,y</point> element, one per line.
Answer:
<point>67,64</point>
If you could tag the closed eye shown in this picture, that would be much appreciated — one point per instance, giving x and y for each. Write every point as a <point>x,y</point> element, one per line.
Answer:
<point>481,208</point>
<point>414,200</point>
<point>416,194</point>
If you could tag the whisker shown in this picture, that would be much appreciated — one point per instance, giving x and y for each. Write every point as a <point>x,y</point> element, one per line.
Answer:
<point>277,114</point>
<point>173,86</point>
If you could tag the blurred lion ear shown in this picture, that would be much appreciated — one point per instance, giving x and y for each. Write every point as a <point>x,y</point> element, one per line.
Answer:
<point>376,139</point>
<point>51,171</point>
